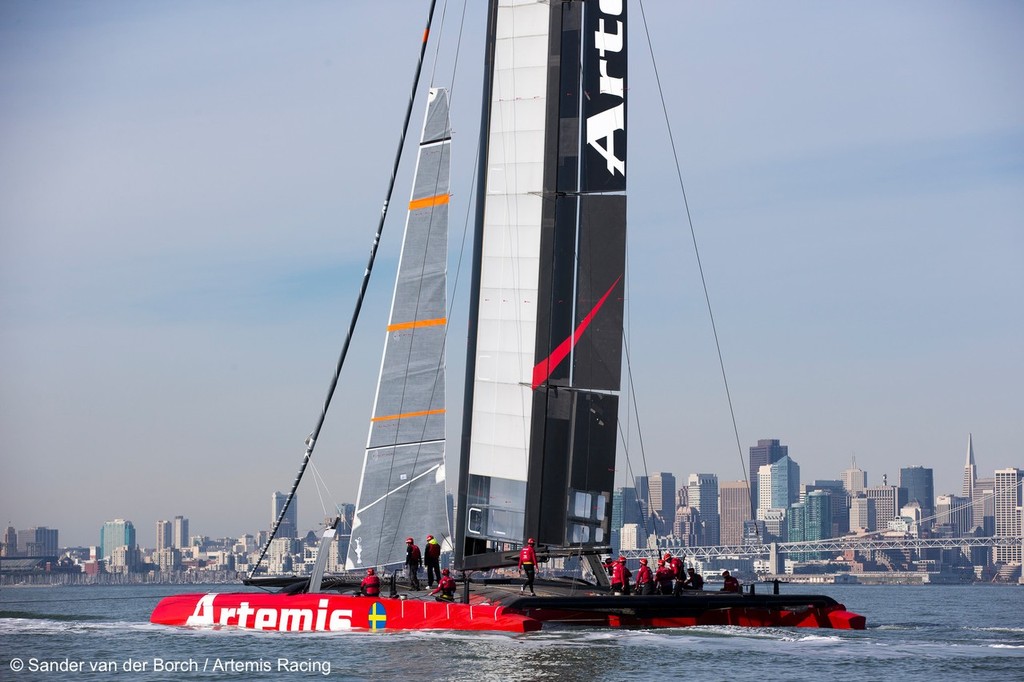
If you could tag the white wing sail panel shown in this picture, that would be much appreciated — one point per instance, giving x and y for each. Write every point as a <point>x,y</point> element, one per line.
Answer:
<point>402,489</point>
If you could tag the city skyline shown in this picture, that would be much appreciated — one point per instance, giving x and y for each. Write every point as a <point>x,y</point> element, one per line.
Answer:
<point>190,191</point>
<point>886,508</point>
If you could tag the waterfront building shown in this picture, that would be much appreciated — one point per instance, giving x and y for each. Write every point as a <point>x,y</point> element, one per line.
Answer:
<point>39,542</point>
<point>767,451</point>
<point>855,480</point>
<point>115,534</point>
<point>733,510</point>
<point>167,559</point>
<point>164,535</point>
<point>703,496</point>
<point>1008,501</point>
<point>289,527</point>
<point>918,482</point>
<point>179,534</point>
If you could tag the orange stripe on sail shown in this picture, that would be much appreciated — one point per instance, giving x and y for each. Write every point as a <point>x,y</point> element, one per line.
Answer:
<point>406,415</point>
<point>415,324</point>
<point>427,202</point>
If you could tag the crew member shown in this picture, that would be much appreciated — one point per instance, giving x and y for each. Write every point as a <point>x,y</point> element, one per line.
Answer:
<point>678,572</point>
<point>694,581</point>
<point>413,559</point>
<point>370,586</point>
<point>620,576</point>
<point>730,583</point>
<point>664,577</point>
<point>528,563</point>
<point>446,586</point>
<point>432,560</point>
<point>644,579</point>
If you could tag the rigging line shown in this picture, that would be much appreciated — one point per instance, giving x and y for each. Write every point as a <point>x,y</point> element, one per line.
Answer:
<point>311,440</point>
<point>696,250</point>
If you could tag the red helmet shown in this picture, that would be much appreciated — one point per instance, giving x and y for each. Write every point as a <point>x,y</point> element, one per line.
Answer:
<point>530,541</point>
<point>622,559</point>
<point>667,556</point>
<point>408,539</point>
<point>445,572</point>
<point>643,561</point>
<point>370,571</point>
<point>430,537</point>
<point>661,562</point>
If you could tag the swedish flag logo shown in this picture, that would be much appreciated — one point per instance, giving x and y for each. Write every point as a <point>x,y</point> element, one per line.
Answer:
<point>378,617</point>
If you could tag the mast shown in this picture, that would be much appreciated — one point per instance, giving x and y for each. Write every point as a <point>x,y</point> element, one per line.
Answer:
<point>539,430</point>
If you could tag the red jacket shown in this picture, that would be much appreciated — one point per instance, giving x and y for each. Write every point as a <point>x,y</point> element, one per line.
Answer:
<point>620,574</point>
<point>678,568</point>
<point>643,576</point>
<point>527,556</point>
<point>370,586</point>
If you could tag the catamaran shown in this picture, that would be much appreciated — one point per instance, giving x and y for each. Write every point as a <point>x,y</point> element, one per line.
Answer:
<point>543,368</point>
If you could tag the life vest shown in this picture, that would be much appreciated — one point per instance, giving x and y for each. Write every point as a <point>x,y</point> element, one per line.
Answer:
<point>527,556</point>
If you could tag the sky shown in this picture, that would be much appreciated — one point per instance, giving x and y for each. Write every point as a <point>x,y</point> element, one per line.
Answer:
<point>189,190</point>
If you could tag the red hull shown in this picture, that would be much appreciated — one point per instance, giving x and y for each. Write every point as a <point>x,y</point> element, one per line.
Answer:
<point>323,612</point>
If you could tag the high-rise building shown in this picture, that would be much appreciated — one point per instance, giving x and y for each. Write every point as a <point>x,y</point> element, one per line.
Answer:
<point>180,539</point>
<point>917,481</point>
<point>40,541</point>
<point>983,511</point>
<point>840,500</point>
<point>863,518</point>
<point>818,508</point>
<point>1008,500</point>
<point>955,512</point>
<point>778,486</point>
<point>164,535</point>
<point>115,534</point>
<point>889,499</point>
<point>733,510</point>
<point>662,491</point>
<point>686,527</point>
<point>290,523</point>
<point>767,451</point>
<point>855,480</point>
<point>703,496</point>
<point>10,542</point>
<point>970,471</point>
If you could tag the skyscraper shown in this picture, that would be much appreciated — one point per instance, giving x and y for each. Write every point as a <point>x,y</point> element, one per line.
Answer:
<point>164,535</point>
<point>1008,500</point>
<point>855,480</point>
<point>862,515</point>
<point>767,451</point>
<point>733,510</point>
<point>778,485</point>
<point>115,534</point>
<point>889,499</point>
<point>290,523</point>
<point>970,470</point>
<point>917,481</point>
<point>662,495</point>
<point>703,496</point>
<point>180,537</point>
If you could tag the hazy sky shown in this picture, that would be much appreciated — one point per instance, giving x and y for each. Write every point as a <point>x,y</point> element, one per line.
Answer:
<point>188,192</point>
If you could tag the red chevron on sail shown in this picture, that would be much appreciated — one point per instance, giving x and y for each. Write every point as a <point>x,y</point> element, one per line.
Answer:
<point>544,368</point>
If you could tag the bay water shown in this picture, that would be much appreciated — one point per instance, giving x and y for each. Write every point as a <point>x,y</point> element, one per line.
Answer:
<point>927,632</point>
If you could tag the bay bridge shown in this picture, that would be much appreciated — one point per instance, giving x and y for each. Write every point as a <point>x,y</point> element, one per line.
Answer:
<point>831,545</point>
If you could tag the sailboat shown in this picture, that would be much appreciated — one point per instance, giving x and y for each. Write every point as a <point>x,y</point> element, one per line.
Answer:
<point>543,368</point>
